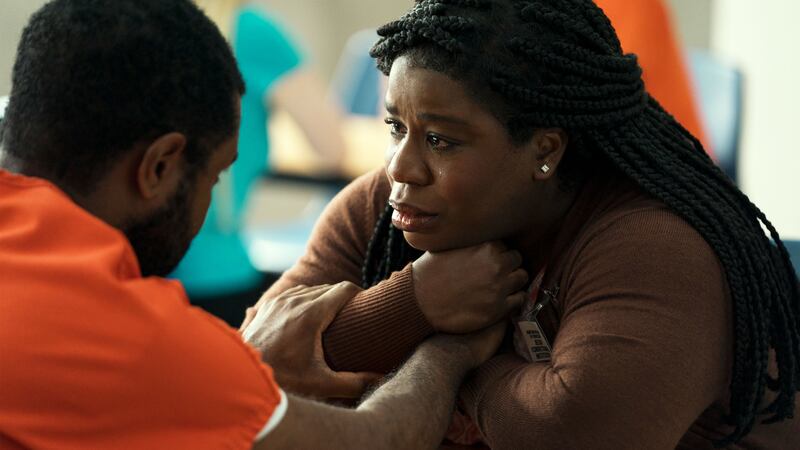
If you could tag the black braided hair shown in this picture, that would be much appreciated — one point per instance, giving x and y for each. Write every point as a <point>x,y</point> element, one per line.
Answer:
<point>559,63</point>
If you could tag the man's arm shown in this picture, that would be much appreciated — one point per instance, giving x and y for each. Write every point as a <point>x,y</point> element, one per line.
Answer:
<point>412,410</point>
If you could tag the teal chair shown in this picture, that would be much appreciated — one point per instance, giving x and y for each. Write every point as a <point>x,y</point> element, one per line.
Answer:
<point>719,86</point>
<point>794,253</point>
<point>357,80</point>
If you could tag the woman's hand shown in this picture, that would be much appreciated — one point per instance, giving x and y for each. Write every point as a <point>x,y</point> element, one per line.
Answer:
<point>464,290</point>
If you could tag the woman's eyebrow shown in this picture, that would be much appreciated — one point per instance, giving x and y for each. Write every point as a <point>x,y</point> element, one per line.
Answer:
<point>431,117</point>
<point>391,108</point>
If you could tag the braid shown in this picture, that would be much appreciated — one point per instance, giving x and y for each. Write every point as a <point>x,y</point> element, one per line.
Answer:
<point>426,22</point>
<point>375,249</point>
<point>571,24</point>
<point>562,66</point>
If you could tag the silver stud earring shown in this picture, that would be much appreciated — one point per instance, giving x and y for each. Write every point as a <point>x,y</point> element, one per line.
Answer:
<point>545,168</point>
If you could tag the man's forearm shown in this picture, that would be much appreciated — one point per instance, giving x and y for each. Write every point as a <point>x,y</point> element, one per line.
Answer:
<point>412,410</point>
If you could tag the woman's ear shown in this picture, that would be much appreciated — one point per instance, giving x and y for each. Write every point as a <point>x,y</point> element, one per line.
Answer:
<point>547,147</point>
<point>160,169</point>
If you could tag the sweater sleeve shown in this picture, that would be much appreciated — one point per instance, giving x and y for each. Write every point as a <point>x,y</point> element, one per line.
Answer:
<point>642,349</point>
<point>380,326</point>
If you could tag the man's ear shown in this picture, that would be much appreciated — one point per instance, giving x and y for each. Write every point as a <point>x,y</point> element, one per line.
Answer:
<point>161,166</point>
<point>547,146</point>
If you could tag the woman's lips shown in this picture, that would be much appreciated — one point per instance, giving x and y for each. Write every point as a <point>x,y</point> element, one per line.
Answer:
<point>411,219</point>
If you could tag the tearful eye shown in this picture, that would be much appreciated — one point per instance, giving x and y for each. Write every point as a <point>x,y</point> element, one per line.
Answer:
<point>395,128</point>
<point>437,143</point>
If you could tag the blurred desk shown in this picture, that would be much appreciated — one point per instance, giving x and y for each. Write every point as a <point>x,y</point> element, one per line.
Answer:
<point>282,210</point>
<point>365,137</point>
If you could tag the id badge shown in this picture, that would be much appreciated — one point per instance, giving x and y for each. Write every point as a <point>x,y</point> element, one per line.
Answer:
<point>529,336</point>
<point>530,342</point>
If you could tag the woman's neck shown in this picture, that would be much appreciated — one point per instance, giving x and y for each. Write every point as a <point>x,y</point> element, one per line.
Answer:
<point>536,241</point>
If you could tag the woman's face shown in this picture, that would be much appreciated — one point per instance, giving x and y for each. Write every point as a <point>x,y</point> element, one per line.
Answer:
<point>457,179</point>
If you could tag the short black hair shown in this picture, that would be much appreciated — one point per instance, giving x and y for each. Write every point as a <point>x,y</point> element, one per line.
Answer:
<point>92,78</point>
<point>559,63</point>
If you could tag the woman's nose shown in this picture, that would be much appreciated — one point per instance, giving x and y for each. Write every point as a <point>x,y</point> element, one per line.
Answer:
<point>407,164</point>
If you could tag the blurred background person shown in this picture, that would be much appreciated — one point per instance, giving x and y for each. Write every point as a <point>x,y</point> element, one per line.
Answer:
<point>217,272</point>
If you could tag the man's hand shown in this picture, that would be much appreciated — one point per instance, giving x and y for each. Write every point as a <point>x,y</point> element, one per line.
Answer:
<point>465,290</point>
<point>288,332</point>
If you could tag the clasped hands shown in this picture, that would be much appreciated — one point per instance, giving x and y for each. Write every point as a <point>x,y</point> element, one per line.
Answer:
<point>461,292</point>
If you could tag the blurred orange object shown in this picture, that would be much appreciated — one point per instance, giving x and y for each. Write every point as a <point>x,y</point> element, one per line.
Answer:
<point>645,28</point>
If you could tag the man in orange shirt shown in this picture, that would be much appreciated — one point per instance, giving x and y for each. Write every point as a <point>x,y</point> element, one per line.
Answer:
<point>122,115</point>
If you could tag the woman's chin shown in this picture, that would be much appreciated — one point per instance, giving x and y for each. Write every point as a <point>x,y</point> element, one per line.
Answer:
<point>432,243</point>
<point>422,242</point>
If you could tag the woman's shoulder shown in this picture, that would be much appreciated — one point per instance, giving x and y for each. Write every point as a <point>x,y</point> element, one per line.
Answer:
<point>370,189</point>
<point>356,208</point>
<point>634,233</point>
<point>634,217</point>
<point>616,209</point>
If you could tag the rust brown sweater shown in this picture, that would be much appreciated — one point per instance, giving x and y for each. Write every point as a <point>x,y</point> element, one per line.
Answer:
<point>641,332</point>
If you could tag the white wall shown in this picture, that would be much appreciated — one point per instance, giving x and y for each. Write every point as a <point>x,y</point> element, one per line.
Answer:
<point>762,38</point>
<point>323,26</point>
<point>694,21</point>
<point>13,15</point>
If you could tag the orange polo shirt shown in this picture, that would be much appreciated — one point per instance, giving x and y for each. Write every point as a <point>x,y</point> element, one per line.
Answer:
<point>645,28</point>
<point>92,355</point>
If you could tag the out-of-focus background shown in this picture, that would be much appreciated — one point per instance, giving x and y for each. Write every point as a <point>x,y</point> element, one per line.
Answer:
<point>760,38</point>
<point>741,57</point>
<point>323,26</point>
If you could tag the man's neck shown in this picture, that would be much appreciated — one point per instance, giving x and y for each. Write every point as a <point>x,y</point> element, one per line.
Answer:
<point>95,203</point>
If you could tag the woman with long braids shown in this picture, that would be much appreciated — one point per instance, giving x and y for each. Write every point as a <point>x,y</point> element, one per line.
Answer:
<point>657,312</point>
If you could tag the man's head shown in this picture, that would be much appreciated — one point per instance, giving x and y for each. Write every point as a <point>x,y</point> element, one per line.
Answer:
<point>132,108</point>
